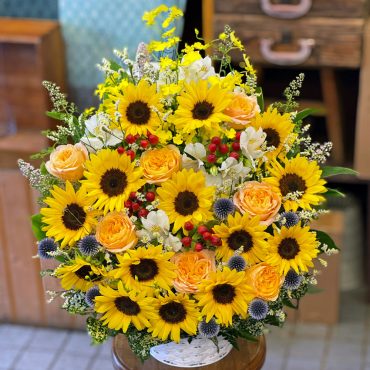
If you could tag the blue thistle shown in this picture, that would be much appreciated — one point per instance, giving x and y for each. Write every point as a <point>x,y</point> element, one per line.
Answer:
<point>258,309</point>
<point>223,207</point>
<point>46,245</point>
<point>208,329</point>
<point>291,218</point>
<point>237,263</point>
<point>91,294</point>
<point>292,280</point>
<point>89,246</point>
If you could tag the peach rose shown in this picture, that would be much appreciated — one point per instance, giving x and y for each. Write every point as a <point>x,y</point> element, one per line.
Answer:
<point>265,280</point>
<point>192,268</point>
<point>241,110</point>
<point>67,162</point>
<point>160,164</point>
<point>258,199</point>
<point>116,232</point>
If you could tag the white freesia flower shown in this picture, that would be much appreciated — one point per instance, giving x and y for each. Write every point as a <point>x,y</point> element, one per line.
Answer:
<point>98,134</point>
<point>201,69</point>
<point>251,141</point>
<point>197,151</point>
<point>173,242</point>
<point>231,168</point>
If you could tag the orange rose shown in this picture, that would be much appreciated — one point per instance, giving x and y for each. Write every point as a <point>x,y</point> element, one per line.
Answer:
<point>192,269</point>
<point>258,199</point>
<point>67,162</point>
<point>265,281</point>
<point>160,164</point>
<point>241,110</point>
<point>116,232</point>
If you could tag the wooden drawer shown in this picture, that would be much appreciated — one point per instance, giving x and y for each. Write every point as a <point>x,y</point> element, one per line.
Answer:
<point>318,8</point>
<point>336,42</point>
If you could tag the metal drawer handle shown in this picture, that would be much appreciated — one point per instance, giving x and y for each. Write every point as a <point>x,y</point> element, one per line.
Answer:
<point>286,58</point>
<point>286,11</point>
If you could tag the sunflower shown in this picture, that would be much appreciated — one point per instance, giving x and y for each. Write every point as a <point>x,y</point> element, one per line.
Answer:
<point>143,268</point>
<point>136,108</point>
<point>224,294</point>
<point>292,247</point>
<point>68,217</point>
<point>244,232</point>
<point>175,312</point>
<point>80,274</point>
<point>121,308</point>
<point>186,198</point>
<point>201,107</point>
<point>298,181</point>
<point>110,178</point>
<point>277,128</point>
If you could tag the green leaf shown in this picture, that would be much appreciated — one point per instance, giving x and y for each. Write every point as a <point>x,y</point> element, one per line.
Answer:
<point>36,227</point>
<point>43,153</point>
<point>334,193</point>
<point>303,114</point>
<point>247,336</point>
<point>313,289</point>
<point>260,99</point>
<point>324,238</point>
<point>114,66</point>
<point>328,171</point>
<point>56,115</point>
<point>287,302</point>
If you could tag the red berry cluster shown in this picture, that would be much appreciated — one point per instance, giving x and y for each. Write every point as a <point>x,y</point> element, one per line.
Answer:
<point>204,237</point>
<point>143,143</point>
<point>216,149</point>
<point>136,207</point>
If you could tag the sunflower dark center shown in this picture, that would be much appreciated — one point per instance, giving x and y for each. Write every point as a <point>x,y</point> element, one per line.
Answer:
<point>240,238</point>
<point>272,137</point>
<point>86,273</point>
<point>113,182</point>
<point>288,248</point>
<point>202,110</point>
<point>127,306</point>
<point>73,216</point>
<point>145,270</point>
<point>138,113</point>
<point>186,203</point>
<point>291,183</point>
<point>173,312</point>
<point>223,293</point>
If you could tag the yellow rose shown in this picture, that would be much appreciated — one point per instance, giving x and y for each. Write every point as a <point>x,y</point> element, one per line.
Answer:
<point>192,269</point>
<point>258,199</point>
<point>265,281</point>
<point>116,232</point>
<point>67,162</point>
<point>242,110</point>
<point>160,164</point>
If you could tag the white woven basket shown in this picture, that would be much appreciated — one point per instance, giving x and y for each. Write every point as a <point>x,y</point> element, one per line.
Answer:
<point>199,352</point>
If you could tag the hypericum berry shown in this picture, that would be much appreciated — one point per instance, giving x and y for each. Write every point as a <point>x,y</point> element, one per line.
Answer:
<point>202,229</point>
<point>130,139</point>
<point>236,146</point>
<point>188,226</point>
<point>137,136</point>
<point>153,139</point>
<point>128,204</point>
<point>144,143</point>
<point>132,195</point>
<point>237,136</point>
<point>212,147</point>
<point>186,241</point>
<point>211,158</point>
<point>207,235</point>
<point>135,206</point>
<point>131,153</point>
<point>198,247</point>
<point>223,148</point>
<point>215,240</point>
<point>150,196</point>
<point>216,140</point>
<point>120,150</point>
<point>143,212</point>
<point>234,155</point>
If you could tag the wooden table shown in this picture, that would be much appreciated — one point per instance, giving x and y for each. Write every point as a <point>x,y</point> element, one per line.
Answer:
<point>250,357</point>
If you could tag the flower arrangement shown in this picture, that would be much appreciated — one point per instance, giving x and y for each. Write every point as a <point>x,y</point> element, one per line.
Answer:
<point>181,206</point>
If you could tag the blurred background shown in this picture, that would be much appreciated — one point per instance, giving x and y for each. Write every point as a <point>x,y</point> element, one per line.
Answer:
<point>62,41</point>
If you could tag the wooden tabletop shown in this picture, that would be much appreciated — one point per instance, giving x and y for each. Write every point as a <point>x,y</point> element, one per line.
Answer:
<point>251,356</point>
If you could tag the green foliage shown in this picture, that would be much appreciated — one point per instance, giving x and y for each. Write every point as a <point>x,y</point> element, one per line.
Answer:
<point>328,171</point>
<point>97,331</point>
<point>300,116</point>
<point>37,227</point>
<point>325,239</point>
<point>334,193</point>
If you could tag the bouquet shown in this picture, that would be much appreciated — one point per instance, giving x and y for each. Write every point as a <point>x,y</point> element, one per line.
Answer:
<point>180,207</point>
